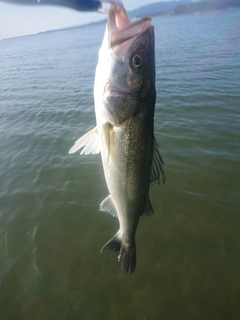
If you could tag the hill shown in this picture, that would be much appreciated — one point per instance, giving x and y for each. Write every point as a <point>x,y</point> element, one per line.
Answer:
<point>182,7</point>
<point>204,6</point>
<point>157,8</point>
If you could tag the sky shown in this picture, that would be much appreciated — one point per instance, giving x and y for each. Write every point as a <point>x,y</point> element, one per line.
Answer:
<point>21,20</point>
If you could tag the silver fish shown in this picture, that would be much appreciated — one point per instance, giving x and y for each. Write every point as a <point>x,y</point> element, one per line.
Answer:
<point>124,94</point>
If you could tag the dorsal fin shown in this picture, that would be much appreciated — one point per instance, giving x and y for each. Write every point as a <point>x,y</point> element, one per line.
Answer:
<point>148,209</point>
<point>157,169</point>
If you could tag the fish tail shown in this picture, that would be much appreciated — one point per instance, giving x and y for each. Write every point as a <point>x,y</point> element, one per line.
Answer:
<point>126,253</point>
<point>127,258</point>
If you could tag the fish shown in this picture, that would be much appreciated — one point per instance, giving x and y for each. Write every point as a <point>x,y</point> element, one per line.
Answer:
<point>125,96</point>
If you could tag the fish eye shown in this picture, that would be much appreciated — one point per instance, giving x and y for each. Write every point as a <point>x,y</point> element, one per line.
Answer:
<point>137,61</point>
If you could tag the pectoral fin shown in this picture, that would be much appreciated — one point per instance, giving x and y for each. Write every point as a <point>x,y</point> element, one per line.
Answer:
<point>157,169</point>
<point>106,132</point>
<point>89,142</point>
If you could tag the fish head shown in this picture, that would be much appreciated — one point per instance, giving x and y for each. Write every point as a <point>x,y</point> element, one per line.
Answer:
<point>125,74</point>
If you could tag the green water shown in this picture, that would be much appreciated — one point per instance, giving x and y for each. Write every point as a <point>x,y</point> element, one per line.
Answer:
<point>51,230</point>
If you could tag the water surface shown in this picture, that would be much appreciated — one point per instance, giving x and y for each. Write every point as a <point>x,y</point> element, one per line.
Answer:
<point>51,231</point>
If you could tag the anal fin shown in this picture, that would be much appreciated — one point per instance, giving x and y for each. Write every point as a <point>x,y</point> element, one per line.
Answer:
<point>108,206</point>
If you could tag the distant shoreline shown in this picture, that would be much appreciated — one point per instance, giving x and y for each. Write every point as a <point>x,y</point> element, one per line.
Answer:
<point>56,30</point>
<point>180,9</point>
<point>203,12</point>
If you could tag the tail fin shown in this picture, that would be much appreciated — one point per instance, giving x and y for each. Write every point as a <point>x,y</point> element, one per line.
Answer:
<point>126,253</point>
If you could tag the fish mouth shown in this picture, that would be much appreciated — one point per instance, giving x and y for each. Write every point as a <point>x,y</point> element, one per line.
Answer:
<point>113,92</point>
<point>120,27</point>
<point>110,91</point>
